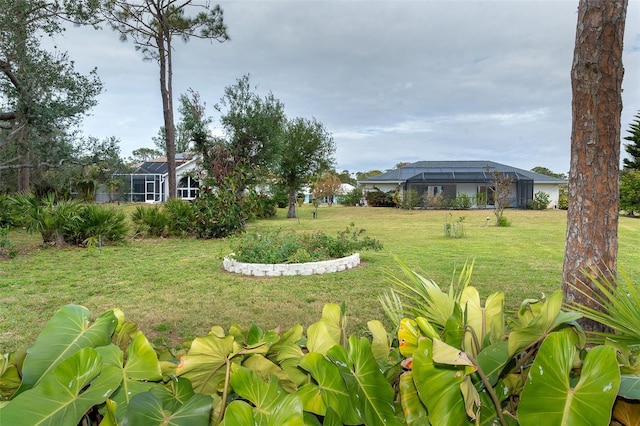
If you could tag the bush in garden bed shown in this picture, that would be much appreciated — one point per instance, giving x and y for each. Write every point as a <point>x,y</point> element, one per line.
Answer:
<point>278,246</point>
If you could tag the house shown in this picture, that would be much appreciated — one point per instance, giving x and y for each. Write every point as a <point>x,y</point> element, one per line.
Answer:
<point>344,189</point>
<point>452,178</point>
<point>149,182</point>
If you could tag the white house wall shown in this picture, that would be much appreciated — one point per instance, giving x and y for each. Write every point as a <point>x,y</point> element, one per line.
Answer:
<point>552,189</point>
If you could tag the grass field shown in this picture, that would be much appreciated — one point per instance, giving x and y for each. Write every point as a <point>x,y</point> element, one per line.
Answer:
<point>176,289</point>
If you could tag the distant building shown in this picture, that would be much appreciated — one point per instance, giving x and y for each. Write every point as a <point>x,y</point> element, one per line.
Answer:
<point>149,182</point>
<point>452,178</point>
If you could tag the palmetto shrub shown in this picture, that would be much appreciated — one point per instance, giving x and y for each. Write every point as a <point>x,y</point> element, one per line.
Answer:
<point>50,218</point>
<point>152,221</point>
<point>97,225</point>
<point>182,217</point>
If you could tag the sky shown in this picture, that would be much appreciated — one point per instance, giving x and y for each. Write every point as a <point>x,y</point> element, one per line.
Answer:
<point>392,81</point>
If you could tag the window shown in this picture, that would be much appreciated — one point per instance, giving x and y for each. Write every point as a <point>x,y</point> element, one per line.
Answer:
<point>188,188</point>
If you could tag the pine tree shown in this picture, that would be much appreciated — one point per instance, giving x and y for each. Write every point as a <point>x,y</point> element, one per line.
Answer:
<point>633,148</point>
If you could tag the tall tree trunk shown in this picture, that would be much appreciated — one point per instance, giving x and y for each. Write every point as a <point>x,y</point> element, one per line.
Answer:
<point>24,173</point>
<point>592,216</point>
<point>167,110</point>
<point>291,214</point>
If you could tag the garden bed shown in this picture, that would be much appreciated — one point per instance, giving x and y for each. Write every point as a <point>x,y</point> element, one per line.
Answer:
<point>290,269</point>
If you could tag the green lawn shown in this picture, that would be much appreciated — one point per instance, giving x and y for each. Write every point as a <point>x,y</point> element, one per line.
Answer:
<point>176,289</point>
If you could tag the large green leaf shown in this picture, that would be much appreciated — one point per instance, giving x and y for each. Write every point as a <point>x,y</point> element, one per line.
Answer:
<point>455,328</point>
<point>415,413</point>
<point>408,335</point>
<point>493,359</point>
<point>549,385</point>
<point>630,386</point>
<point>370,392</point>
<point>544,322</point>
<point>287,347</point>
<point>66,332</point>
<point>238,413</point>
<point>9,375</point>
<point>266,368</point>
<point>328,331</point>
<point>139,370</point>
<point>148,409</point>
<point>487,321</point>
<point>273,406</point>
<point>380,345</point>
<point>330,390</point>
<point>65,394</point>
<point>205,364</point>
<point>439,387</point>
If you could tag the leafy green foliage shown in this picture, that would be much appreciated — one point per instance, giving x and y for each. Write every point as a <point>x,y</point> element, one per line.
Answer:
<point>278,246</point>
<point>633,148</point>
<point>152,221</point>
<point>410,199</point>
<point>462,202</point>
<point>97,225</point>
<point>8,214</point>
<point>219,213</point>
<point>540,201</point>
<point>7,248</point>
<point>457,364</point>
<point>551,384</point>
<point>352,198</point>
<point>261,206</point>
<point>44,97</point>
<point>182,217</point>
<point>563,197</point>
<point>377,198</point>
<point>307,151</point>
<point>50,218</point>
<point>630,191</point>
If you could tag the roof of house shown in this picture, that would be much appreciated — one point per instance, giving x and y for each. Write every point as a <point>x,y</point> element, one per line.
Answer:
<point>460,171</point>
<point>159,165</point>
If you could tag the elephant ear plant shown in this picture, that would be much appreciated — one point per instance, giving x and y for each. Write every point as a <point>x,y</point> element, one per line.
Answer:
<point>455,361</point>
<point>466,364</point>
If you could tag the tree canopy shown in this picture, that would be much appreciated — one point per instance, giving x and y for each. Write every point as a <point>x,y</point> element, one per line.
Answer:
<point>152,25</point>
<point>42,97</point>
<point>633,148</point>
<point>253,128</point>
<point>547,172</point>
<point>307,150</point>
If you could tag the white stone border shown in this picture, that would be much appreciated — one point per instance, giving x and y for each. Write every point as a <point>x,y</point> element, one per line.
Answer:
<point>289,269</point>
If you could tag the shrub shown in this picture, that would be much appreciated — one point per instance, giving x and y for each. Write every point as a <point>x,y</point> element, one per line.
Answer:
<point>540,201</point>
<point>481,200</point>
<point>261,205</point>
<point>503,222</point>
<point>278,246</point>
<point>563,197</point>
<point>8,214</point>
<point>352,198</point>
<point>219,213</point>
<point>182,217</point>
<point>437,201</point>
<point>462,202</point>
<point>97,225</point>
<point>377,198</point>
<point>410,199</point>
<point>151,221</point>
<point>7,248</point>
<point>50,218</point>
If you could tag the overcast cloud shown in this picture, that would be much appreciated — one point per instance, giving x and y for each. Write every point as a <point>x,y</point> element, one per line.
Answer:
<point>391,80</point>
